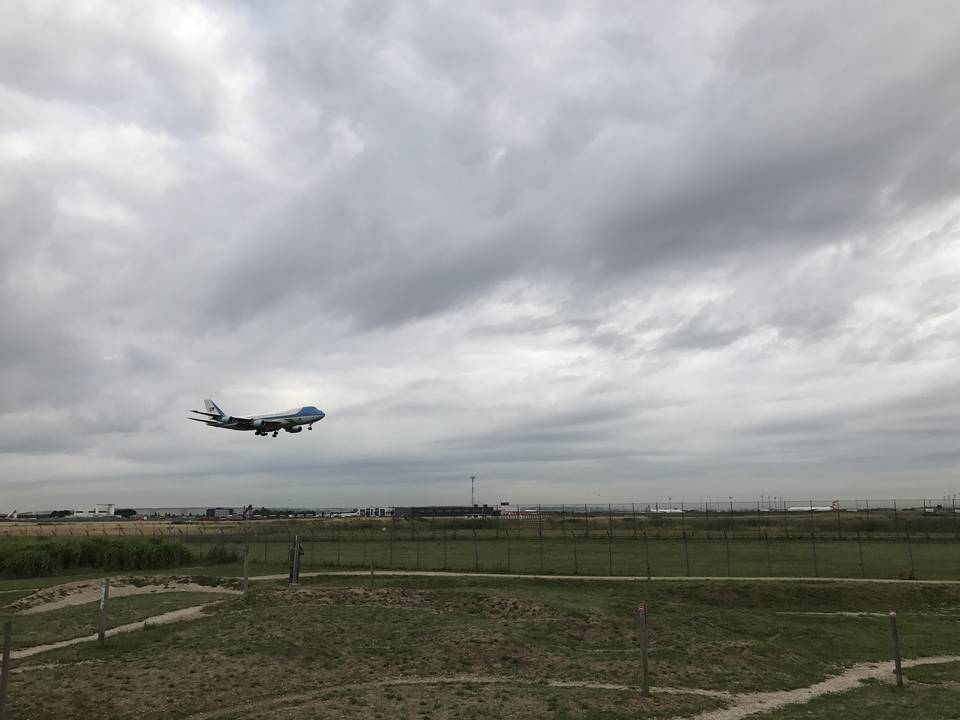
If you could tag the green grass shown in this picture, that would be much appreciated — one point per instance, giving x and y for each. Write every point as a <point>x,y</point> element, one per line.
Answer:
<point>333,640</point>
<point>623,556</point>
<point>931,693</point>
<point>35,557</point>
<point>80,620</point>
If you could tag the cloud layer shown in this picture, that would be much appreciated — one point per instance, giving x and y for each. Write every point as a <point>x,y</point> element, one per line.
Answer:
<point>648,250</point>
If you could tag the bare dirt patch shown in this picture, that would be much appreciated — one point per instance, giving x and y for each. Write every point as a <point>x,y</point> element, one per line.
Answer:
<point>751,703</point>
<point>188,613</point>
<point>87,591</point>
<point>488,604</point>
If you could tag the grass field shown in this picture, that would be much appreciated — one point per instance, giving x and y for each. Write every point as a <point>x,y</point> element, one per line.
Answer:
<point>469,647</point>
<point>622,556</point>
<point>870,545</point>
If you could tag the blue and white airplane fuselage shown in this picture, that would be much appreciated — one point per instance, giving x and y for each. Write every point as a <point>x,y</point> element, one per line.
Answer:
<point>292,421</point>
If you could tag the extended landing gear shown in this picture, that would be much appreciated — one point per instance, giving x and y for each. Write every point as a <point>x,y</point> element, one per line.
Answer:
<point>310,426</point>
<point>275,433</point>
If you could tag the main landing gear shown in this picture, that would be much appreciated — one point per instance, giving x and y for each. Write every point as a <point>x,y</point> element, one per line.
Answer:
<point>275,433</point>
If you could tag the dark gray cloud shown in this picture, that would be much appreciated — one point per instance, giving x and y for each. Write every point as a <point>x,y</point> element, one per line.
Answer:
<point>664,248</point>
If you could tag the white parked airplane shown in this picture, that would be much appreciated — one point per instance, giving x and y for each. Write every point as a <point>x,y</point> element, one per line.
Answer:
<point>292,420</point>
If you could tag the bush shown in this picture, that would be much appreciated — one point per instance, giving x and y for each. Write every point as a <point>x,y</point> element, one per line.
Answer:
<point>47,556</point>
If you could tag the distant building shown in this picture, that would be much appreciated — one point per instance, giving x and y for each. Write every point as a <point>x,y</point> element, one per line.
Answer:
<point>98,510</point>
<point>219,513</point>
<point>447,511</point>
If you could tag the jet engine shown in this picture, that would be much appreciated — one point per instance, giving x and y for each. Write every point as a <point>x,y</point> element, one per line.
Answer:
<point>258,424</point>
<point>295,429</point>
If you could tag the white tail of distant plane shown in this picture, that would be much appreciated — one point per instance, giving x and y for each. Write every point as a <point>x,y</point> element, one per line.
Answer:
<point>212,407</point>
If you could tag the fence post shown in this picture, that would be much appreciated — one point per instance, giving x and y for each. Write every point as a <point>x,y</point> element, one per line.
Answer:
<point>540,531</point>
<point>295,561</point>
<point>476,551</point>
<point>5,670</point>
<point>416,544</point>
<point>506,532</point>
<point>913,572</point>
<point>644,665</point>
<point>646,548</point>
<point>610,537</point>
<point>444,548</point>
<point>759,534</point>
<point>896,649</point>
<point>863,569</point>
<point>104,596</point>
<point>576,567</point>
<point>726,545</point>
<point>246,571</point>
<point>371,574</point>
<point>766,538</point>
<point>586,522</point>
<point>956,529</point>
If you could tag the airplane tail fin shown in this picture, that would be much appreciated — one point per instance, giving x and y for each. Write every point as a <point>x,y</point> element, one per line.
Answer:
<point>212,407</point>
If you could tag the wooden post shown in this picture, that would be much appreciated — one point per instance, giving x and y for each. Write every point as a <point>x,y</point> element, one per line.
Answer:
<point>646,550</point>
<point>444,548</point>
<point>246,570</point>
<point>726,545</point>
<point>644,666</point>
<point>610,537</point>
<point>5,670</point>
<point>371,574</point>
<point>540,533</point>
<point>913,573</point>
<point>506,533</point>
<point>295,569</point>
<point>476,552</point>
<point>576,568</point>
<point>863,569</point>
<point>766,539</point>
<point>896,649</point>
<point>686,552</point>
<point>104,596</point>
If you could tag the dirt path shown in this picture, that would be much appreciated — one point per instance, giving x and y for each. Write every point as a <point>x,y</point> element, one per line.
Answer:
<point>188,613</point>
<point>740,705</point>
<point>87,591</point>
<point>301,699</point>
<point>751,703</point>
<point>606,578</point>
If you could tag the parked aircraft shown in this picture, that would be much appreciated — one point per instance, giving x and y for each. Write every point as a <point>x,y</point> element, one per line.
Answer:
<point>292,420</point>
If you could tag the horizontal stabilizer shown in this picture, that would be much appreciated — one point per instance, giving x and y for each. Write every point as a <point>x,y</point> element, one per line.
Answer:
<point>201,412</point>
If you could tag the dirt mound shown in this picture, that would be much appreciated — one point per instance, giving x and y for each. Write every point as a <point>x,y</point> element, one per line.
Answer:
<point>473,603</point>
<point>87,591</point>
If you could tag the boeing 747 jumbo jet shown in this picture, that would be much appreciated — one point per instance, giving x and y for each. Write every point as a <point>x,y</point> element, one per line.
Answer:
<point>292,420</point>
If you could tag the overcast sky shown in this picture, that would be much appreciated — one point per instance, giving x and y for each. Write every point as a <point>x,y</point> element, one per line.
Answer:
<point>588,252</point>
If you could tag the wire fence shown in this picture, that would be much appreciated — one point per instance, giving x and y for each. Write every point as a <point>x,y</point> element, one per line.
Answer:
<point>870,539</point>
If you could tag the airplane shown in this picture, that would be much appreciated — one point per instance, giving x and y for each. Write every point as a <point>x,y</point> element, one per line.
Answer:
<point>292,420</point>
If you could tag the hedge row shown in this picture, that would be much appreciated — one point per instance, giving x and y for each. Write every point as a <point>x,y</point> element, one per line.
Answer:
<point>47,556</point>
